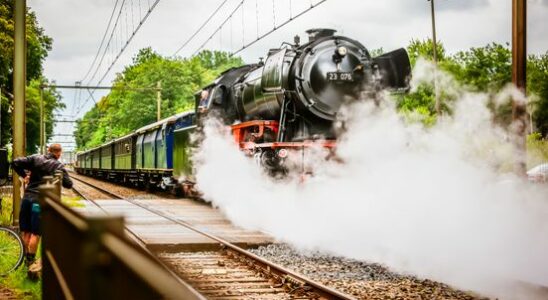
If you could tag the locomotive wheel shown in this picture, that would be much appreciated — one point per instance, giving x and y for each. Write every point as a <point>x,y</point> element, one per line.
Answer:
<point>270,161</point>
<point>177,191</point>
<point>148,186</point>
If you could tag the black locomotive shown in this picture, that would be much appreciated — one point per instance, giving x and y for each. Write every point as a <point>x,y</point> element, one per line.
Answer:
<point>299,90</point>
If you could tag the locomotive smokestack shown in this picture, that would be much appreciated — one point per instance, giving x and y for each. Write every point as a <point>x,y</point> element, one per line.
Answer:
<point>318,33</point>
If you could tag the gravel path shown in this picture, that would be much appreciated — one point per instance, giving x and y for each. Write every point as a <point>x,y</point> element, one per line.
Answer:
<point>126,192</point>
<point>360,279</point>
<point>89,192</point>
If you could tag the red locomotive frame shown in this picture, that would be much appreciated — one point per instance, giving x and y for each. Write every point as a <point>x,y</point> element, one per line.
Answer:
<point>250,135</point>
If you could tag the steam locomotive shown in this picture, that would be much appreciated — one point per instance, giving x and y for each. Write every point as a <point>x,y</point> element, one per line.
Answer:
<point>293,98</point>
<point>285,104</point>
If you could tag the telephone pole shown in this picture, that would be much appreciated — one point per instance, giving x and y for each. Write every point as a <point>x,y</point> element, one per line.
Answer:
<point>0,116</point>
<point>159,101</point>
<point>42,124</point>
<point>435,54</point>
<point>519,78</point>
<point>19,83</point>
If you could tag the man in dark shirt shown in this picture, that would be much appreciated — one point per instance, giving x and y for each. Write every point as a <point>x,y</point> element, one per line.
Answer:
<point>38,166</point>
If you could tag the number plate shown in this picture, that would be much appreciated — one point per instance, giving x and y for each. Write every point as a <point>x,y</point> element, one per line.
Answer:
<point>340,76</point>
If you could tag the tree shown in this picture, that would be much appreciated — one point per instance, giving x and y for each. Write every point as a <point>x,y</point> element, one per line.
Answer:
<point>123,110</point>
<point>421,103</point>
<point>52,103</point>
<point>425,49</point>
<point>483,69</point>
<point>537,85</point>
<point>38,45</point>
<point>486,69</point>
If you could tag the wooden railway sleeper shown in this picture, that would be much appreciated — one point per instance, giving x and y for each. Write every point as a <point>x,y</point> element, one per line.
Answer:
<point>294,285</point>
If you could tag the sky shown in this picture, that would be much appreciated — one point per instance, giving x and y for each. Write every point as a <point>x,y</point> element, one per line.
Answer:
<point>77,28</point>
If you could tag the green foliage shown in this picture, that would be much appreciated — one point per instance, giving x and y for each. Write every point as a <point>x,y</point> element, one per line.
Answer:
<point>537,85</point>
<point>123,111</point>
<point>419,105</point>
<point>425,49</point>
<point>537,149</point>
<point>482,69</point>
<point>486,68</point>
<point>52,103</point>
<point>38,45</point>
<point>17,281</point>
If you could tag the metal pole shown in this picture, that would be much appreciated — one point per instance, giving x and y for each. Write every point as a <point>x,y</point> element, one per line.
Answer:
<point>519,64</point>
<point>19,83</point>
<point>42,124</point>
<point>159,101</point>
<point>435,53</point>
<point>0,116</point>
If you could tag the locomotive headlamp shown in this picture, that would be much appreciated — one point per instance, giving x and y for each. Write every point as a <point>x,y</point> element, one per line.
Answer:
<point>282,153</point>
<point>342,51</point>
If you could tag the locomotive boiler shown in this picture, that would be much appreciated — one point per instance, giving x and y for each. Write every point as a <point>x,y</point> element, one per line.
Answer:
<point>293,98</point>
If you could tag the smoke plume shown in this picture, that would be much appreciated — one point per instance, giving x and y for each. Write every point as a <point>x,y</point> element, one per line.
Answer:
<point>436,202</point>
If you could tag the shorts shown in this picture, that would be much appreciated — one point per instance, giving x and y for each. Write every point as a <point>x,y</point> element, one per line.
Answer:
<point>29,216</point>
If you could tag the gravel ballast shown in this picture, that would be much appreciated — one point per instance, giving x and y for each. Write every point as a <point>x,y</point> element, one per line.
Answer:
<point>360,279</point>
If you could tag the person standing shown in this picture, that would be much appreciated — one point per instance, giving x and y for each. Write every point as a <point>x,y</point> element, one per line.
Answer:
<point>37,166</point>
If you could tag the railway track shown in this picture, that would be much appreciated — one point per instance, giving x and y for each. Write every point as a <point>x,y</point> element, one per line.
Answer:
<point>232,272</point>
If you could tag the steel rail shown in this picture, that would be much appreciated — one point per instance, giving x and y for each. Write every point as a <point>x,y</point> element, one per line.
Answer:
<point>136,238</point>
<point>140,241</point>
<point>268,267</point>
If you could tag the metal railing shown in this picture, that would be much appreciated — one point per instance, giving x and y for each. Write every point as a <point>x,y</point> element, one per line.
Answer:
<point>90,258</point>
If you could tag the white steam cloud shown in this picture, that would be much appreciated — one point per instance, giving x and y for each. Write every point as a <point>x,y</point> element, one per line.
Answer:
<point>432,202</point>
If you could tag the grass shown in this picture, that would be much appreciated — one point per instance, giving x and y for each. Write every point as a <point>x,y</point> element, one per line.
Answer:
<point>537,151</point>
<point>17,281</point>
<point>74,201</point>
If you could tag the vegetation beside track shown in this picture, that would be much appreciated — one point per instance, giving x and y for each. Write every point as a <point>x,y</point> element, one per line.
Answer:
<point>38,45</point>
<point>18,281</point>
<point>486,69</point>
<point>537,150</point>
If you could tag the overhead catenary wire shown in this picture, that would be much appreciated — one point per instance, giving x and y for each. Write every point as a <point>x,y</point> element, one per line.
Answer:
<point>128,41</point>
<point>102,41</point>
<point>109,41</point>
<point>219,28</point>
<point>279,26</point>
<point>277,23</point>
<point>124,42</point>
<point>201,27</point>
